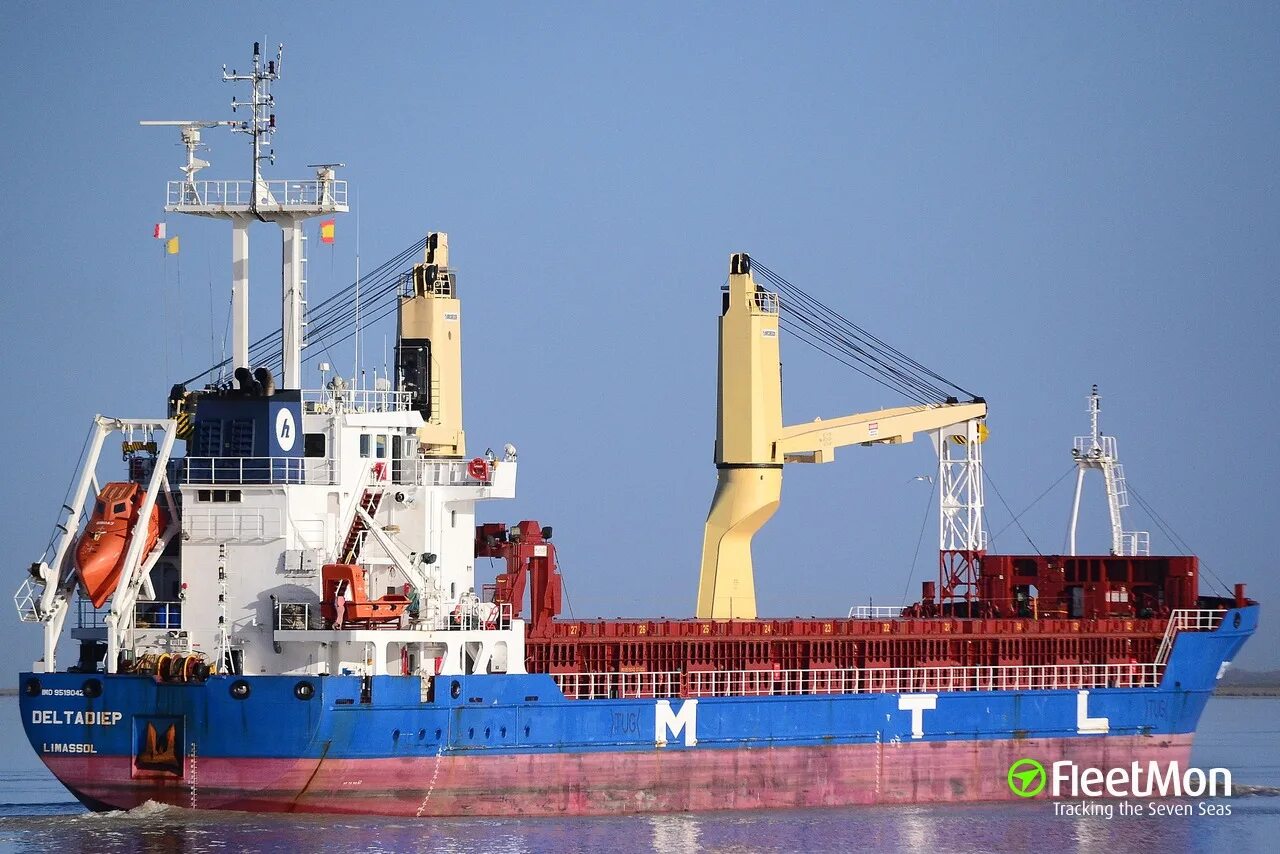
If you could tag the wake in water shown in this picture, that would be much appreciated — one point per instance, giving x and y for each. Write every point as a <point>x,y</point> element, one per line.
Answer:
<point>148,810</point>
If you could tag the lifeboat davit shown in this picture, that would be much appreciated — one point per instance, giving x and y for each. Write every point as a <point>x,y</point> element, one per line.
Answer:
<point>104,543</point>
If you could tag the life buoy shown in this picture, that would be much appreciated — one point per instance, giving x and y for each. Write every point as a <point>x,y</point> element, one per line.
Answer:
<point>478,468</point>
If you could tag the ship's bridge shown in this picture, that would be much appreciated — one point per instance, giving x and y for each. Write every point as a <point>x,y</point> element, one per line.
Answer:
<point>241,437</point>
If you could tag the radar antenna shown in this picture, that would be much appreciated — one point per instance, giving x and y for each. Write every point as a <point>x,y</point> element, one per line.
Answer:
<point>191,139</point>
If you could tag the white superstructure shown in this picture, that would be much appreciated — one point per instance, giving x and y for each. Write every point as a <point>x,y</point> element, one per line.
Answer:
<point>307,530</point>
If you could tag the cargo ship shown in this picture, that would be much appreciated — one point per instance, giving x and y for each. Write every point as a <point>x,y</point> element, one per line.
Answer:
<point>283,612</point>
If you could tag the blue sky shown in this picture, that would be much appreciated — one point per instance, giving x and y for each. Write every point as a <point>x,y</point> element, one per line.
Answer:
<point>1028,197</point>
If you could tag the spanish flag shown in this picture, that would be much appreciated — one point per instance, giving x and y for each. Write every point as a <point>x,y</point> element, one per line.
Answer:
<point>171,246</point>
<point>326,231</point>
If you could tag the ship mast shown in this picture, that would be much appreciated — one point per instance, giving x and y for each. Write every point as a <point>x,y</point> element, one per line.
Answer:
<point>286,203</point>
<point>1098,452</point>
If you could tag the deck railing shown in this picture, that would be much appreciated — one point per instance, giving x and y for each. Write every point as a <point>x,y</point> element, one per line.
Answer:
<point>228,471</point>
<point>484,616</point>
<point>888,680</point>
<point>146,615</point>
<point>1186,620</point>
<point>870,680</point>
<point>274,195</point>
<point>876,612</point>
<point>345,399</point>
<point>612,686</point>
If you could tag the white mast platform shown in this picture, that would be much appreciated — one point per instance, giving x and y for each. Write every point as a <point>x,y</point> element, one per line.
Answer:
<point>285,202</point>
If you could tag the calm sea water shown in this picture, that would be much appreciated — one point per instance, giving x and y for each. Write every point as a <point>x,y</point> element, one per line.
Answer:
<point>37,814</point>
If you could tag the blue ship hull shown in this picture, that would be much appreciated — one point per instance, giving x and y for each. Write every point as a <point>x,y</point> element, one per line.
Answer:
<point>513,743</point>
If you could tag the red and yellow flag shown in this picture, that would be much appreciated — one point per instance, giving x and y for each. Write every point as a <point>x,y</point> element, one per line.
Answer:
<point>326,231</point>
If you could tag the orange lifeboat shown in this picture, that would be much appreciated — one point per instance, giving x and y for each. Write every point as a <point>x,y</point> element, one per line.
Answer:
<point>102,547</point>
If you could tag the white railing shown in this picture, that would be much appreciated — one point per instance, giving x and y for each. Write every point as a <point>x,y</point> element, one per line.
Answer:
<point>1137,543</point>
<point>89,617</point>
<point>763,302</point>
<point>157,615</point>
<point>1104,447</point>
<point>870,680</point>
<point>478,617</point>
<point>230,471</point>
<point>146,615</point>
<point>277,195</point>
<point>1186,620</point>
<point>876,612</point>
<point>485,616</point>
<point>613,686</point>
<point>293,616</point>
<point>326,400</point>
<point>26,599</point>
<point>437,473</point>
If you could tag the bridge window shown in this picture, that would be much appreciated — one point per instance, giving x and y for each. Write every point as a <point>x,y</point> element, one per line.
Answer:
<point>364,445</point>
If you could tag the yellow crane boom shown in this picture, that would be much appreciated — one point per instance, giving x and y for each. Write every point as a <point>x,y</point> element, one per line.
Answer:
<point>752,444</point>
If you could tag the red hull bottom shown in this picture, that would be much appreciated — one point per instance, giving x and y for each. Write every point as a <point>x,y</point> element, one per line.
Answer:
<point>607,783</point>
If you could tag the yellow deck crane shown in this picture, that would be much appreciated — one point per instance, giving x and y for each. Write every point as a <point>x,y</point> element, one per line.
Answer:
<point>752,445</point>
<point>429,350</point>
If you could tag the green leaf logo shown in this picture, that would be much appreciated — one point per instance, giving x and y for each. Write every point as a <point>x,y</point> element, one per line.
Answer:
<point>1027,778</point>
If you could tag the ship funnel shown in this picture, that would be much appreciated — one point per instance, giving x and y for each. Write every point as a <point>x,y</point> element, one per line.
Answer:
<point>248,384</point>
<point>266,381</point>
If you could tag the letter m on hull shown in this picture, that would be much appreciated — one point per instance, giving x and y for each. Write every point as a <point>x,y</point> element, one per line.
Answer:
<point>666,721</point>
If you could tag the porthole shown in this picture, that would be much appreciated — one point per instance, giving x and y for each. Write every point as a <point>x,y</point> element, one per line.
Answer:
<point>239,689</point>
<point>32,687</point>
<point>93,687</point>
<point>304,690</point>
<point>455,690</point>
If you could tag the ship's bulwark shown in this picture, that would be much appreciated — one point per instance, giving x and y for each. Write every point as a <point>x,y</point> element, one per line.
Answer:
<point>512,745</point>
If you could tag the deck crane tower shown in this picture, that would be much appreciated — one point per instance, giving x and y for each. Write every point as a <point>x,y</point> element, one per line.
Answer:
<point>753,445</point>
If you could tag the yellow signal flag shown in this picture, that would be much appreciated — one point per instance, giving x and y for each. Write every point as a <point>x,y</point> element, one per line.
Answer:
<point>171,246</point>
